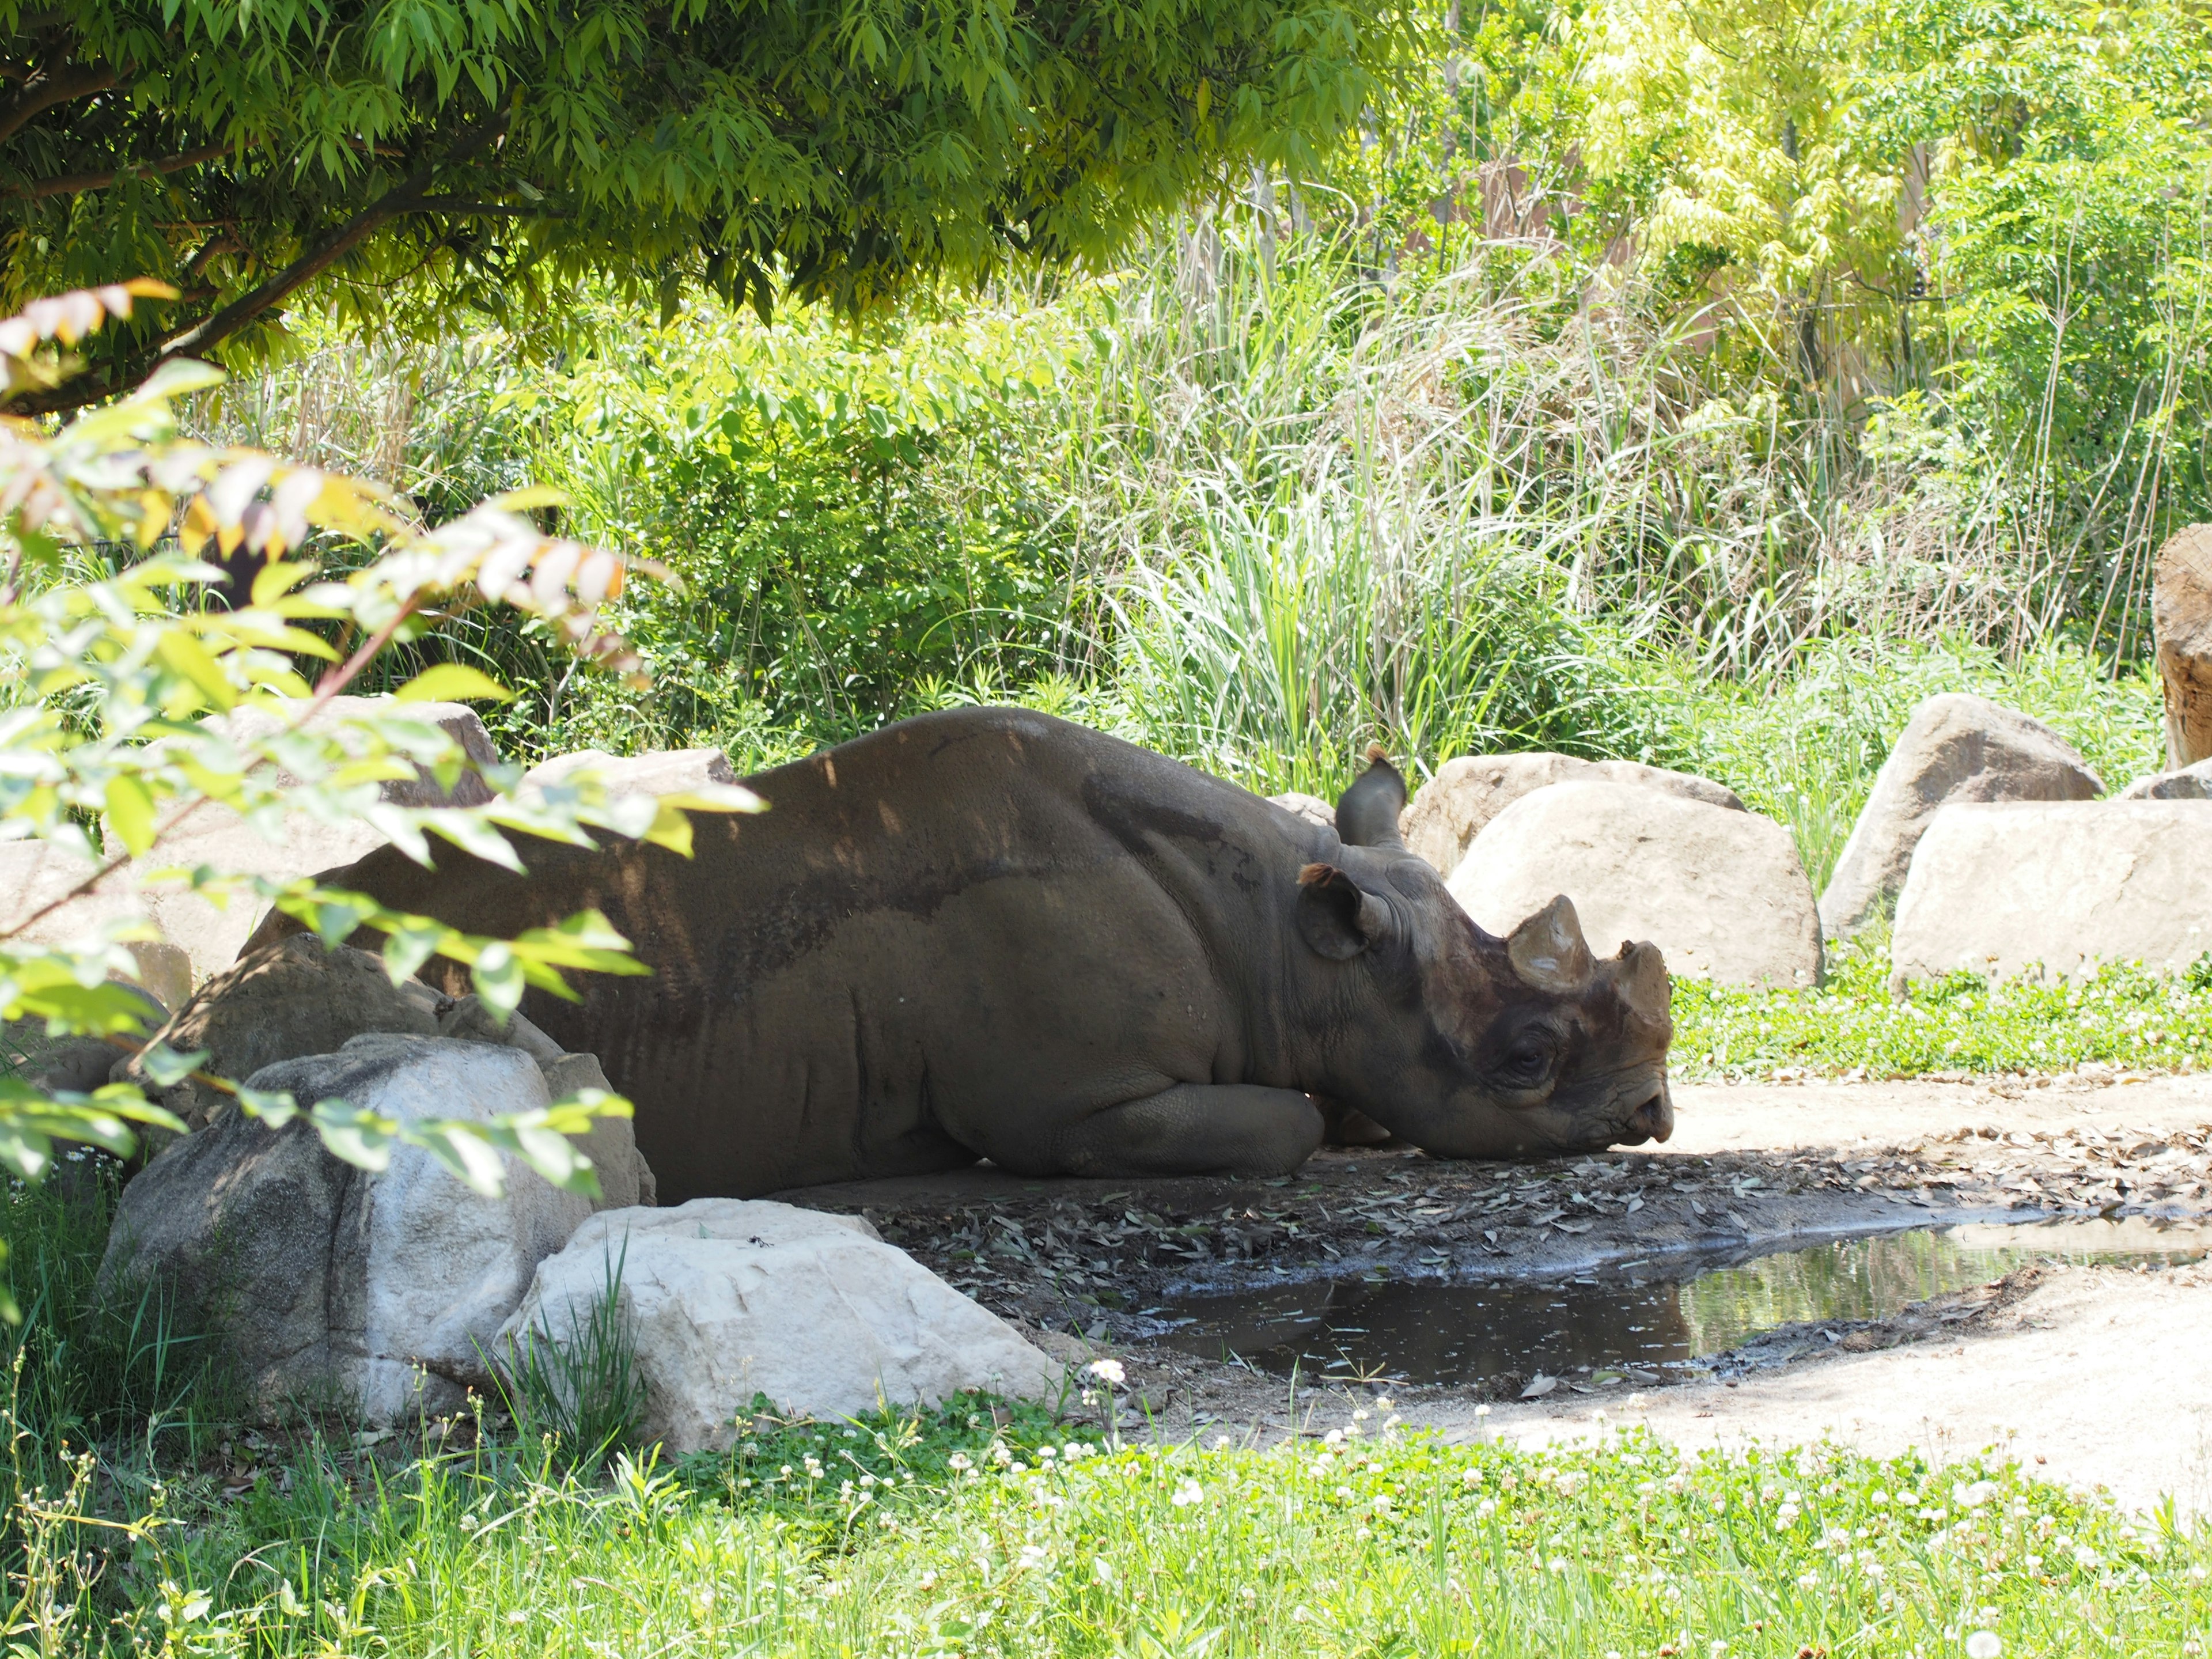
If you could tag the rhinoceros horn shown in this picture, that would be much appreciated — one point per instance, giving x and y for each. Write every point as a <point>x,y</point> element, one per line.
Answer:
<point>1643,982</point>
<point>1548,952</point>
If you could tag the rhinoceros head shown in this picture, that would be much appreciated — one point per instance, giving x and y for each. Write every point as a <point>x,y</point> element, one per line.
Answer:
<point>1465,1044</point>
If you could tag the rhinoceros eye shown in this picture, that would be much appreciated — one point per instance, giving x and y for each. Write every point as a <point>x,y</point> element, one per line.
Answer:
<point>1528,1060</point>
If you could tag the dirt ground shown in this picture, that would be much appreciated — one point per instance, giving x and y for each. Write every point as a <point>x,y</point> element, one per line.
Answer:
<point>2095,1375</point>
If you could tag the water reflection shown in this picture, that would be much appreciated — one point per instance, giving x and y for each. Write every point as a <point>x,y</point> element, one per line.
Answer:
<point>1440,1331</point>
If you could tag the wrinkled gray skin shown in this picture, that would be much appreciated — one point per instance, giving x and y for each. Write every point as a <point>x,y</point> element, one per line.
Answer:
<point>989,933</point>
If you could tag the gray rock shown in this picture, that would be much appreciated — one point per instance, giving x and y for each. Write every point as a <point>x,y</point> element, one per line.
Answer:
<point>1955,749</point>
<point>331,1286</point>
<point>625,1178</point>
<point>1442,822</point>
<point>2188,783</point>
<point>726,1297</point>
<point>2000,889</point>
<point>1720,891</point>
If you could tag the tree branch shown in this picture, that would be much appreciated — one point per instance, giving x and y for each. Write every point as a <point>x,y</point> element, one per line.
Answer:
<point>76,183</point>
<point>405,198</point>
<point>54,84</point>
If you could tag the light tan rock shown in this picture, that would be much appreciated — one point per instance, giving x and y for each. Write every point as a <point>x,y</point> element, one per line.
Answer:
<point>378,1293</point>
<point>1441,822</point>
<point>665,772</point>
<point>295,844</point>
<point>1312,808</point>
<point>725,1298</point>
<point>1720,891</point>
<point>2002,888</point>
<point>1955,749</point>
<point>39,877</point>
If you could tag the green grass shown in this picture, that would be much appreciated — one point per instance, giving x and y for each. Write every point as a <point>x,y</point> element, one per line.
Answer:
<point>937,1535</point>
<point>2122,1016</point>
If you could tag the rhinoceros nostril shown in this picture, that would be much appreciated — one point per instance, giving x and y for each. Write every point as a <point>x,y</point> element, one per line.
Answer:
<point>1654,1118</point>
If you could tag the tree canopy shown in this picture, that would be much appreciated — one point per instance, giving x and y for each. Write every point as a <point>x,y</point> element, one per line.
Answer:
<point>411,155</point>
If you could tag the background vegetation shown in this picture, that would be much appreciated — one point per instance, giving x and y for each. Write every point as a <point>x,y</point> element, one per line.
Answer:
<point>1697,382</point>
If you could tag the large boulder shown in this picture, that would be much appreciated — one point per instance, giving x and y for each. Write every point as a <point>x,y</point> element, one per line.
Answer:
<point>1455,806</point>
<point>2184,783</point>
<point>2002,888</point>
<point>297,843</point>
<point>378,1294</point>
<point>1720,891</point>
<point>1955,749</point>
<point>725,1298</point>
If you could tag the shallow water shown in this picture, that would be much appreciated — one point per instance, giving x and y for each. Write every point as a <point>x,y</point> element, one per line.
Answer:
<point>1635,1315</point>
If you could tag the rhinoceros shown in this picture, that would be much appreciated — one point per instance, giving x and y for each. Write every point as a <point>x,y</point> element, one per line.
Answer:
<point>990,933</point>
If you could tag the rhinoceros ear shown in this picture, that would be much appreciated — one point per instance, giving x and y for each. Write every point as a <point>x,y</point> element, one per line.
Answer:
<point>1337,917</point>
<point>1367,813</point>
<point>1548,952</point>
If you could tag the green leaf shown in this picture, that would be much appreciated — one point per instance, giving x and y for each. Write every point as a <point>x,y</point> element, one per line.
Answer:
<point>452,682</point>
<point>275,1107</point>
<point>131,813</point>
<point>166,1067</point>
<point>361,1138</point>
<point>497,974</point>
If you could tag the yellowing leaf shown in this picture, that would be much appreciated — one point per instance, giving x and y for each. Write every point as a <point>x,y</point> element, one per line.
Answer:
<point>189,657</point>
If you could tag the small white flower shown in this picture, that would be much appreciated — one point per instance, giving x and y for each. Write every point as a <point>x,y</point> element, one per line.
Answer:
<point>1984,1644</point>
<point>1107,1371</point>
<point>1382,1503</point>
<point>1046,1454</point>
<point>1333,1437</point>
<point>957,1461</point>
<point>1032,1555</point>
<point>1186,1494</point>
<point>1470,1477</point>
<point>1482,1410</point>
<point>1485,1509</point>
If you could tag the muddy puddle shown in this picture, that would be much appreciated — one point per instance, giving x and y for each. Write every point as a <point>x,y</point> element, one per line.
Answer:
<point>1632,1317</point>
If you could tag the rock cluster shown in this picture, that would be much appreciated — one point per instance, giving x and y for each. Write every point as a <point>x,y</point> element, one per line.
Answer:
<point>389,1294</point>
<point>1955,749</point>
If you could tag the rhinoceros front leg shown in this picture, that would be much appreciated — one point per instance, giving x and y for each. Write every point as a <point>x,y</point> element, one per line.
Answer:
<point>1194,1128</point>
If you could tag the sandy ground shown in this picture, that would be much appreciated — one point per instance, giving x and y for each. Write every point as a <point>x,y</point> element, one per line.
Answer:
<point>2092,1376</point>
